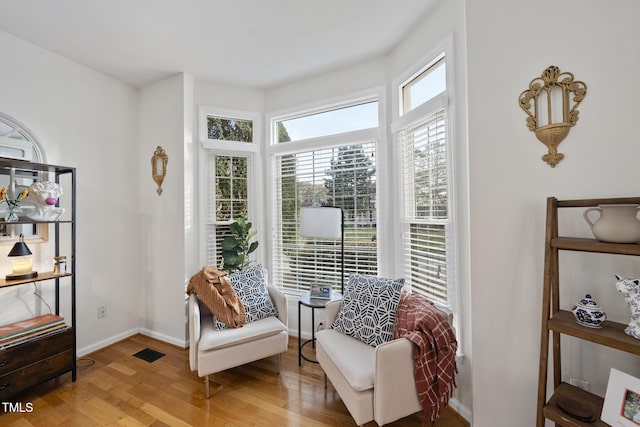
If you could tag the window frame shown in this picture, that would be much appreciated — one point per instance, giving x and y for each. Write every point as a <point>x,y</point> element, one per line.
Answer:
<point>211,147</point>
<point>405,101</point>
<point>32,152</point>
<point>217,144</point>
<point>402,120</point>
<point>376,135</point>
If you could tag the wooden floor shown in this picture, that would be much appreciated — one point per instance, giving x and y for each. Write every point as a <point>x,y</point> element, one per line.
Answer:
<point>115,388</point>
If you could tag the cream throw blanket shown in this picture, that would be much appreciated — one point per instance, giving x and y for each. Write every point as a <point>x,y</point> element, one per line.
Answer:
<point>215,291</point>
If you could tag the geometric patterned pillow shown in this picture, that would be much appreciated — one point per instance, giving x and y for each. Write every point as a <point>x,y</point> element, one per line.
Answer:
<point>368,311</point>
<point>251,287</point>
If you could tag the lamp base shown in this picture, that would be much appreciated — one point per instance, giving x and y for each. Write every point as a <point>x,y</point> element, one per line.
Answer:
<point>30,275</point>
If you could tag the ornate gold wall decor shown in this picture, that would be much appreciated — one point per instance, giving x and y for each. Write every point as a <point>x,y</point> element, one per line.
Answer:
<point>560,92</point>
<point>159,162</point>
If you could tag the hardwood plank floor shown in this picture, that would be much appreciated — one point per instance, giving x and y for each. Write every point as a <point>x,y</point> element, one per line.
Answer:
<point>115,388</point>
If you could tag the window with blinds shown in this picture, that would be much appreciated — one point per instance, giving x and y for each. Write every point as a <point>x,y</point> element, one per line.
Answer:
<point>343,176</point>
<point>426,206</point>
<point>226,200</point>
<point>428,244</point>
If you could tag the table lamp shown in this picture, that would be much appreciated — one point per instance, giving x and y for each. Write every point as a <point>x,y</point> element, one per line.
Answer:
<point>21,265</point>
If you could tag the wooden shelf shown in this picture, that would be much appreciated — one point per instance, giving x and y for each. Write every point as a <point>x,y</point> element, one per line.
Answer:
<point>552,412</point>
<point>47,275</point>
<point>593,245</point>
<point>611,334</point>
<point>563,322</point>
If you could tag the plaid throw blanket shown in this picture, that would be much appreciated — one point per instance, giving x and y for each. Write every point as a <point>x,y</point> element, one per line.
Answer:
<point>215,291</point>
<point>434,351</point>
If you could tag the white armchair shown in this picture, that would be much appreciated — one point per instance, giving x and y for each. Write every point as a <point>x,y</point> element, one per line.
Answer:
<point>375,383</point>
<point>212,350</point>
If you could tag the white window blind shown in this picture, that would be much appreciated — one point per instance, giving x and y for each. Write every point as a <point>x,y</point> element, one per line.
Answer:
<point>428,231</point>
<point>226,199</point>
<point>339,176</point>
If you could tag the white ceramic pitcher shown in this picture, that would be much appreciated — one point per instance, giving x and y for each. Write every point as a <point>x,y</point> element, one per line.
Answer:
<point>616,223</point>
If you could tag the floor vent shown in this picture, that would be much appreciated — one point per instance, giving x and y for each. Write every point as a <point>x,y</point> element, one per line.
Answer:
<point>149,355</point>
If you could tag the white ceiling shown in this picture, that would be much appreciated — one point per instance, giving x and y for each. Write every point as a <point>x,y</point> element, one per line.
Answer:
<point>252,43</point>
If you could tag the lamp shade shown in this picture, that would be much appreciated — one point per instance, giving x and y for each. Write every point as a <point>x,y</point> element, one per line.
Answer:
<point>20,248</point>
<point>21,265</point>
<point>321,222</point>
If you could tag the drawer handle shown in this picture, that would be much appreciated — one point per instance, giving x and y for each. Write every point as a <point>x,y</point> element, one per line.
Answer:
<point>3,386</point>
<point>3,363</point>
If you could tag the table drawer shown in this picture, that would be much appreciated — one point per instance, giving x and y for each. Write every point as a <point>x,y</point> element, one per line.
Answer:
<point>32,351</point>
<point>18,380</point>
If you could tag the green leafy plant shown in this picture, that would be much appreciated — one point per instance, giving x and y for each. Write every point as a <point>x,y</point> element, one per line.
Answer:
<point>236,248</point>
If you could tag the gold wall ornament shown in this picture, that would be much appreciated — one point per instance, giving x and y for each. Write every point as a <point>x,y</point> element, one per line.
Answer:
<point>560,92</point>
<point>159,162</point>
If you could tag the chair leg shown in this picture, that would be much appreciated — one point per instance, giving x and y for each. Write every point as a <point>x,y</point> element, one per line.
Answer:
<point>207,387</point>
<point>278,362</point>
<point>325,381</point>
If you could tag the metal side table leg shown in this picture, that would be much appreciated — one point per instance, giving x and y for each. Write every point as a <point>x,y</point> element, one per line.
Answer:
<point>299,337</point>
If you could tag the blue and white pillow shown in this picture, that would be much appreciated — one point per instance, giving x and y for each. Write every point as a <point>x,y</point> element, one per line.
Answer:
<point>251,287</point>
<point>368,311</point>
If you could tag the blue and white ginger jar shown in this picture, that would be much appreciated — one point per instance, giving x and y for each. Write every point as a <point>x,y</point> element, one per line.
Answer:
<point>589,313</point>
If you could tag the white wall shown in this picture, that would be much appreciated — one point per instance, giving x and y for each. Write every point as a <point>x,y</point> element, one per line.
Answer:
<point>165,120</point>
<point>509,44</point>
<point>86,120</point>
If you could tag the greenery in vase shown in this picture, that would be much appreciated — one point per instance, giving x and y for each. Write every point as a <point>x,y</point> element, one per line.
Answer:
<point>12,203</point>
<point>236,248</point>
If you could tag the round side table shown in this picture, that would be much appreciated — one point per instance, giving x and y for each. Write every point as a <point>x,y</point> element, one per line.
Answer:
<point>313,304</point>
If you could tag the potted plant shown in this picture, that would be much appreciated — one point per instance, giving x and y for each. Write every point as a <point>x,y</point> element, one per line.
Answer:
<point>236,248</point>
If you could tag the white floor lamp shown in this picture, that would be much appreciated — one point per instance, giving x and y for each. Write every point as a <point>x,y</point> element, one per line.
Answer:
<point>325,222</point>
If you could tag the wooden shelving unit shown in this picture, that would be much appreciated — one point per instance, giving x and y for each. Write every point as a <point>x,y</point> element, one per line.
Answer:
<point>556,322</point>
<point>553,412</point>
<point>46,356</point>
<point>47,275</point>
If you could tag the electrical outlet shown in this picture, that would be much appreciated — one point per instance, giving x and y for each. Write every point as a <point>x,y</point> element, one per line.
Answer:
<point>102,312</point>
<point>581,384</point>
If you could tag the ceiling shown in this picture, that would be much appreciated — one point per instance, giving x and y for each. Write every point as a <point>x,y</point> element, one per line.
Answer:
<point>249,43</point>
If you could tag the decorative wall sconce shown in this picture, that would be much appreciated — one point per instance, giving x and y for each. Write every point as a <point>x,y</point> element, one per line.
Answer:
<point>559,92</point>
<point>159,167</point>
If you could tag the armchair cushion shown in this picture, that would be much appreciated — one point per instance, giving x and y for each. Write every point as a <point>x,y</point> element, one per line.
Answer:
<point>359,375</point>
<point>234,336</point>
<point>251,287</point>
<point>368,311</point>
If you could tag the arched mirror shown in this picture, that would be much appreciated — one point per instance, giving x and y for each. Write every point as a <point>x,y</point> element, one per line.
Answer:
<point>17,142</point>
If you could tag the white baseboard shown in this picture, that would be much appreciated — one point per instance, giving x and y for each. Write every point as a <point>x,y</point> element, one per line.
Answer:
<point>105,343</point>
<point>460,409</point>
<point>124,335</point>
<point>166,338</point>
